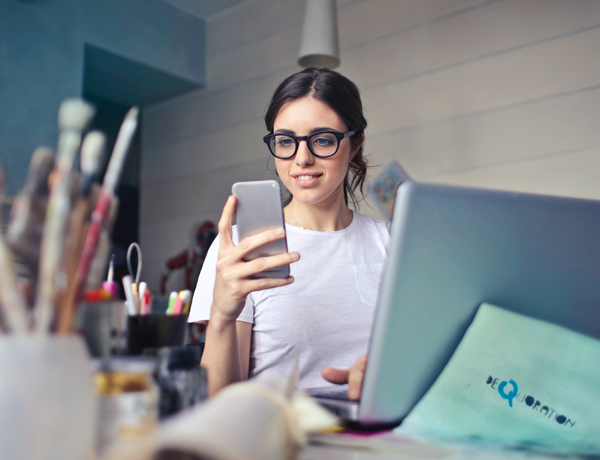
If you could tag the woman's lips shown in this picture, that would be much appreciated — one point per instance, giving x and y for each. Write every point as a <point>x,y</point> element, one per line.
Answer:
<point>306,180</point>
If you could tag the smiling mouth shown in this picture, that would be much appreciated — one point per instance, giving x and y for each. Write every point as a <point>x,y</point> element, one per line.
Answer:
<point>305,176</point>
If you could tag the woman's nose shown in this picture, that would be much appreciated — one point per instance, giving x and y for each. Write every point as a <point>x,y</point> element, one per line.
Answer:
<point>303,155</point>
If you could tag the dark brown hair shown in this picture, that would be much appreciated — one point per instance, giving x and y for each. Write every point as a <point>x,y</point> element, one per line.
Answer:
<point>341,96</point>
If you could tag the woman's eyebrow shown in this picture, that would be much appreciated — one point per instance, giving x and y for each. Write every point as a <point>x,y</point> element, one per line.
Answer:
<point>323,128</point>
<point>285,131</point>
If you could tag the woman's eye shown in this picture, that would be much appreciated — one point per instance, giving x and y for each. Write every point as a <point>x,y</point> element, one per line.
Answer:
<point>322,142</point>
<point>285,142</point>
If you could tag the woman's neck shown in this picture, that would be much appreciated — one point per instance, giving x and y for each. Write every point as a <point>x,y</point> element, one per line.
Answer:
<point>321,217</point>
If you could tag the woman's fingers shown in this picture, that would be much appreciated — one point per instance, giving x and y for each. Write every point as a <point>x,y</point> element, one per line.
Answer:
<point>353,376</point>
<point>356,377</point>
<point>249,244</point>
<point>225,223</point>
<point>253,267</point>
<point>267,283</point>
<point>337,376</point>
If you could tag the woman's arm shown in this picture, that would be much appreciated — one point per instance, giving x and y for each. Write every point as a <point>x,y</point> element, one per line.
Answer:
<point>227,351</point>
<point>226,354</point>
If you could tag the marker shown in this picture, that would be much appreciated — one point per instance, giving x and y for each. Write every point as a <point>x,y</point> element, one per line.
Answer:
<point>187,299</point>
<point>130,303</point>
<point>178,304</point>
<point>172,297</point>
<point>144,298</point>
<point>136,298</point>
<point>109,285</point>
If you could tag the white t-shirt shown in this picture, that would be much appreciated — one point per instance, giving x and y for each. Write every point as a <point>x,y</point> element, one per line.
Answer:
<point>325,314</point>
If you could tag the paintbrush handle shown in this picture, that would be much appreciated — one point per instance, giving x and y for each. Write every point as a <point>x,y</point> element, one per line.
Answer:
<point>67,313</point>
<point>14,307</point>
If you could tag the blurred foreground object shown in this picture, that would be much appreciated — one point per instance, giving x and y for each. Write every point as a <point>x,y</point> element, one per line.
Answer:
<point>47,403</point>
<point>262,419</point>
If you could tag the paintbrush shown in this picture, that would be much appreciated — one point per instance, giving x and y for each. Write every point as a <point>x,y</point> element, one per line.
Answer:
<point>92,154</point>
<point>24,233</point>
<point>14,311</point>
<point>92,151</point>
<point>74,116</point>
<point>103,205</point>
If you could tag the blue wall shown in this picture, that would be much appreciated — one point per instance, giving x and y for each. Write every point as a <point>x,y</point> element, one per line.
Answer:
<point>42,60</point>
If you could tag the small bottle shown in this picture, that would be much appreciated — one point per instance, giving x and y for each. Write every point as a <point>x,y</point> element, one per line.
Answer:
<point>181,380</point>
<point>127,399</point>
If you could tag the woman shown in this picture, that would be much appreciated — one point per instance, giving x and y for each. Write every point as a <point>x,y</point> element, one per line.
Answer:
<point>324,312</point>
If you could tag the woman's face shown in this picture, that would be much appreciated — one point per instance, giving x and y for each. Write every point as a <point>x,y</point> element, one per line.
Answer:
<point>310,179</point>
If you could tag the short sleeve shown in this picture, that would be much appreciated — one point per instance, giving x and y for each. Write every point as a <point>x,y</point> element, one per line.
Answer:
<point>203,295</point>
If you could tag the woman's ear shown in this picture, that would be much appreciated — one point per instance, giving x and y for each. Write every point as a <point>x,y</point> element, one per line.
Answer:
<point>357,148</point>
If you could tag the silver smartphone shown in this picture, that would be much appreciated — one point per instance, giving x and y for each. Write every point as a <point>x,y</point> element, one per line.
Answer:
<point>259,208</point>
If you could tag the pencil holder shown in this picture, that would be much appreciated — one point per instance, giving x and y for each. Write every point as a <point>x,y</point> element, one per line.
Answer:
<point>104,327</point>
<point>47,402</point>
<point>155,331</point>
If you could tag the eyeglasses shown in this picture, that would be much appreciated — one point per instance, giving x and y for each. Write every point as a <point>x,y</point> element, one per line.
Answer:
<point>322,144</point>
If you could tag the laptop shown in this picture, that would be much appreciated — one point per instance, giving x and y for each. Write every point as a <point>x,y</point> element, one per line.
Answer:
<point>453,248</point>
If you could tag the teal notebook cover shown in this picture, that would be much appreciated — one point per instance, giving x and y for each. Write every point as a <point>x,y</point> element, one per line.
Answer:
<point>516,381</point>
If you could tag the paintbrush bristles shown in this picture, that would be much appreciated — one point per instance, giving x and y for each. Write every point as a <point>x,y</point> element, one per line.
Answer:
<point>119,153</point>
<point>75,114</point>
<point>92,151</point>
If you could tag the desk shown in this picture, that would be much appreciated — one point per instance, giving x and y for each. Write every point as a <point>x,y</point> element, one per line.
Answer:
<point>320,452</point>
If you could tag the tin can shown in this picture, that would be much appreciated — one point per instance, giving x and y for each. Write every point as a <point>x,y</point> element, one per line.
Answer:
<point>127,399</point>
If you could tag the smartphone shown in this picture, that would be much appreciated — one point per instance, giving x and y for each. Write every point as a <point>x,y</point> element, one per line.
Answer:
<point>259,208</point>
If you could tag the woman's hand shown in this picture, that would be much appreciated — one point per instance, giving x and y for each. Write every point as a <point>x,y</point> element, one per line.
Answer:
<point>233,280</point>
<point>353,377</point>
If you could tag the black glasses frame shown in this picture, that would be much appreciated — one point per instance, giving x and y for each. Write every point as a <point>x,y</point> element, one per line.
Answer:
<point>339,136</point>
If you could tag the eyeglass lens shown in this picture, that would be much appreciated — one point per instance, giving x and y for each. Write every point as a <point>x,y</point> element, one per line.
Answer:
<point>321,144</point>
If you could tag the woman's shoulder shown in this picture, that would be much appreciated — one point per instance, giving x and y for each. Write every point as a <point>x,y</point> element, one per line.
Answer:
<point>373,226</point>
<point>368,221</point>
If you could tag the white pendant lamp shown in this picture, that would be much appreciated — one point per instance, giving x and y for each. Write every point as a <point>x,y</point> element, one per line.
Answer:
<point>319,44</point>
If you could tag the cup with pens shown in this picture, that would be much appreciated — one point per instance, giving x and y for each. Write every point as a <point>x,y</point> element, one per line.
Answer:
<point>145,328</point>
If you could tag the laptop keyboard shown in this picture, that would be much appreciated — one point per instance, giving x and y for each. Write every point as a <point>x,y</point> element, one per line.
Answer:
<point>340,392</point>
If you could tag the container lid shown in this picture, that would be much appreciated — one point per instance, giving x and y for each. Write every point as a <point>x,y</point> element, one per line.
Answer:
<point>135,364</point>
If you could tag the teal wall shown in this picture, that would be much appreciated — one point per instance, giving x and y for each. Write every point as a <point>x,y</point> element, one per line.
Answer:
<point>42,60</point>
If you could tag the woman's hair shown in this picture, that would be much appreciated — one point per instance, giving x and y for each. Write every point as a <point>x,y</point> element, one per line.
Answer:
<point>341,96</point>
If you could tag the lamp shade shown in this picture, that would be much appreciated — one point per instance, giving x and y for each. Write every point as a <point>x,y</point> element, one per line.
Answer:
<point>319,44</point>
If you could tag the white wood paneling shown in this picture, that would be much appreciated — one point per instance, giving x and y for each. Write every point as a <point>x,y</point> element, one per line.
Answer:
<point>258,20</point>
<point>208,112</point>
<point>361,22</point>
<point>552,125</point>
<point>572,174</point>
<point>498,27</point>
<point>543,70</point>
<point>195,195</point>
<point>206,152</point>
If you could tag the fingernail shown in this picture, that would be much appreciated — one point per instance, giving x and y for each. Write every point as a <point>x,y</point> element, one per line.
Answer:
<point>294,255</point>
<point>290,278</point>
<point>280,232</point>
